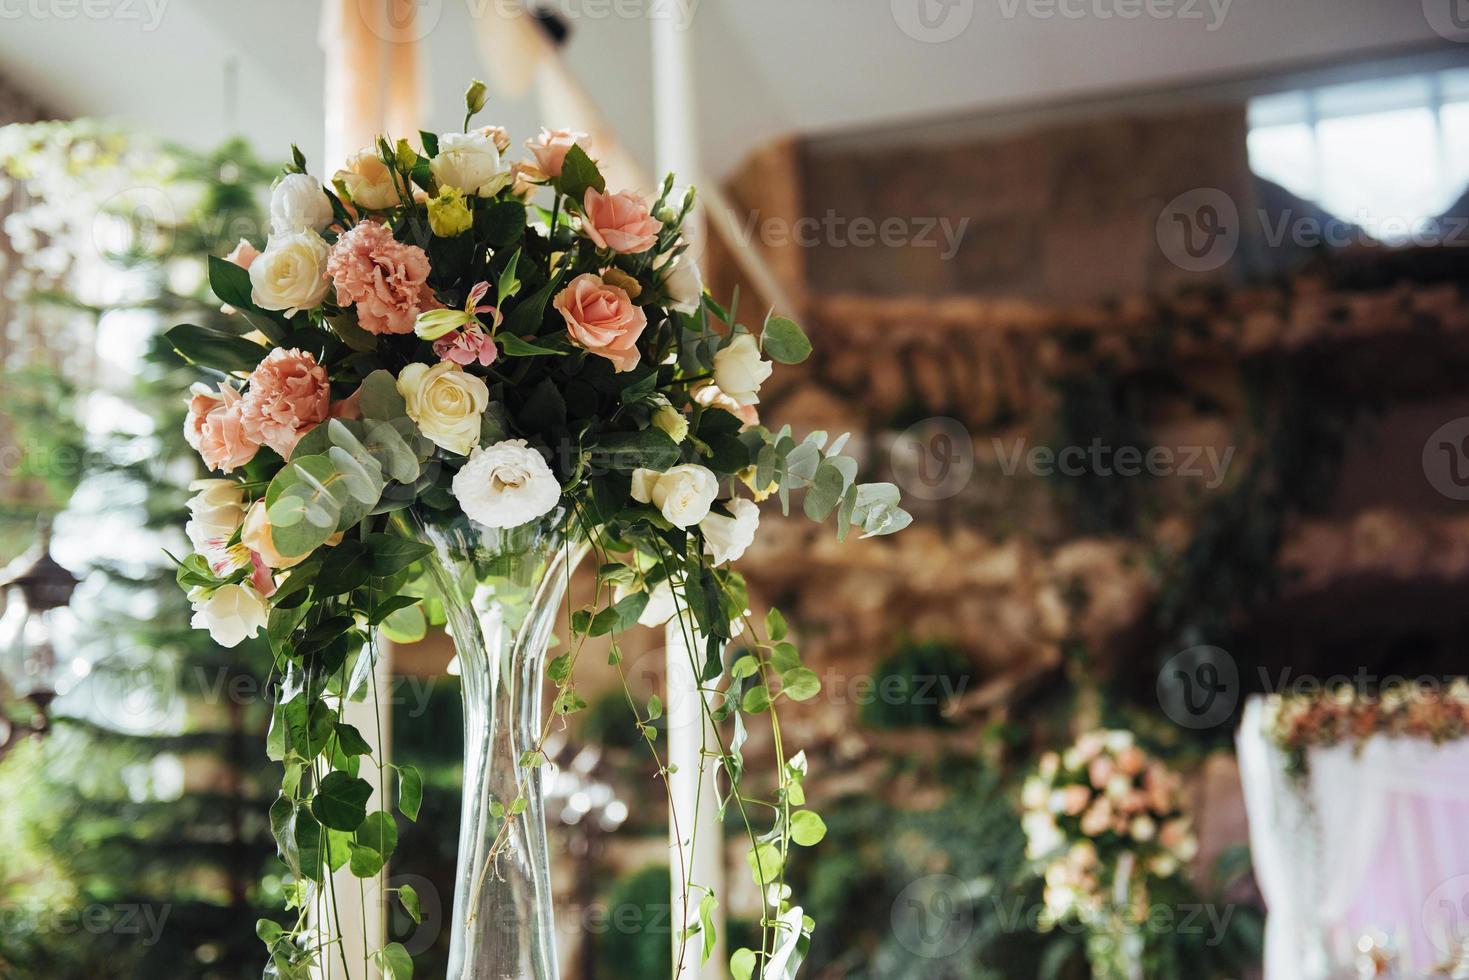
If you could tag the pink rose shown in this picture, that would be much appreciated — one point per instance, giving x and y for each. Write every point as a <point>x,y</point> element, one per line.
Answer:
<point>1100,771</point>
<point>386,279</point>
<point>620,222</point>
<point>1074,800</point>
<point>1097,819</point>
<point>602,319</point>
<point>215,427</point>
<point>244,253</point>
<point>1131,760</point>
<point>288,396</point>
<point>550,148</point>
<point>710,395</point>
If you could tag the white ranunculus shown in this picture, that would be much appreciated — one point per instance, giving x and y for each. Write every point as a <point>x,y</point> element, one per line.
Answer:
<point>298,203</point>
<point>290,274</point>
<point>685,285</point>
<point>739,370</point>
<point>506,485</point>
<point>726,538</point>
<point>215,513</point>
<point>1143,829</point>
<point>468,161</point>
<point>368,181</point>
<point>447,402</point>
<point>683,493</point>
<point>230,613</point>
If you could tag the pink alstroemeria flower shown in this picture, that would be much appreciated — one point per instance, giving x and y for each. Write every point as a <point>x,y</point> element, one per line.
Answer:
<point>471,342</point>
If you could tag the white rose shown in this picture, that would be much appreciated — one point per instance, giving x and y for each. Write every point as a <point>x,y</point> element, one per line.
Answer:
<point>298,203</point>
<point>1144,829</point>
<point>684,285</point>
<point>683,493</point>
<point>468,161</point>
<point>446,402</point>
<point>739,370</point>
<point>290,274</point>
<point>230,613</point>
<point>726,538</point>
<point>215,512</point>
<point>506,485</point>
<point>669,420</point>
<point>368,181</point>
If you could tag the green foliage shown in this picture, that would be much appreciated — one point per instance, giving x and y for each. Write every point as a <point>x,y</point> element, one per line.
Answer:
<point>911,688</point>
<point>638,945</point>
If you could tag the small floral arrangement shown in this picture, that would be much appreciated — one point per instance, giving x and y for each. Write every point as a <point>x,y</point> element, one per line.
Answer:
<point>1299,722</point>
<point>442,331</point>
<point>1101,819</point>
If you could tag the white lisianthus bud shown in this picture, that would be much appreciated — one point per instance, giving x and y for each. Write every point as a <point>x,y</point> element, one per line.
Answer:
<point>670,421</point>
<point>683,493</point>
<point>726,538</point>
<point>298,203</point>
<point>506,485</point>
<point>468,161</point>
<point>368,181</point>
<point>684,285</point>
<point>230,613</point>
<point>290,274</point>
<point>447,403</point>
<point>739,371</point>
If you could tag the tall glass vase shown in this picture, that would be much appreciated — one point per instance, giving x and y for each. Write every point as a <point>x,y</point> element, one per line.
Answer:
<point>502,590</point>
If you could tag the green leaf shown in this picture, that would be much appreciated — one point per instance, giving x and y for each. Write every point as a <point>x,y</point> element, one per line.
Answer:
<point>215,349</point>
<point>310,843</point>
<point>410,791</point>
<point>341,801</point>
<point>655,708</point>
<point>394,961</point>
<point>800,684</point>
<point>559,669</point>
<point>825,492</point>
<point>514,346</point>
<point>765,863</point>
<point>578,173</point>
<point>649,449</point>
<point>406,625</point>
<point>742,964</point>
<point>378,837</point>
<point>390,553</point>
<point>783,340</point>
<point>507,285</point>
<point>381,399</point>
<point>807,828</point>
<point>525,319</point>
<point>268,930</point>
<point>411,905</point>
<point>283,829</point>
<point>775,625</point>
<point>757,699</point>
<point>620,616</point>
<point>707,904</point>
<point>568,702</point>
<point>308,501</point>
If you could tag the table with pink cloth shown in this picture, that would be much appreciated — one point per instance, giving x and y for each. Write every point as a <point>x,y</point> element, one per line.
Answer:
<point>1373,840</point>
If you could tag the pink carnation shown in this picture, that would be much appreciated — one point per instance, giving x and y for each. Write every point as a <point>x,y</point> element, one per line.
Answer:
<point>386,279</point>
<point>215,427</point>
<point>288,396</point>
<point>620,222</point>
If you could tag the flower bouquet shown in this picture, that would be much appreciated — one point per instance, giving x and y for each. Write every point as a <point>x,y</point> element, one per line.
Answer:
<point>1101,820</point>
<point>441,382</point>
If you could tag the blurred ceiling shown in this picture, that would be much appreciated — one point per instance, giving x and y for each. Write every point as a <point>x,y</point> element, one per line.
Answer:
<point>765,67</point>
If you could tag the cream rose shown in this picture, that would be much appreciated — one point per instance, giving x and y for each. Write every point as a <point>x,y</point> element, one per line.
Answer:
<point>290,274</point>
<point>468,161</point>
<point>726,538</point>
<point>739,371</point>
<point>368,181</point>
<point>683,493</point>
<point>298,203</point>
<point>506,485</point>
<point>684,285</point>
<point>669,420</point>
<point>230,613</point>
<point>446,402</point>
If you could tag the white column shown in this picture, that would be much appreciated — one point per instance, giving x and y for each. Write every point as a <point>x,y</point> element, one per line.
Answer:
<point>696,854</point>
